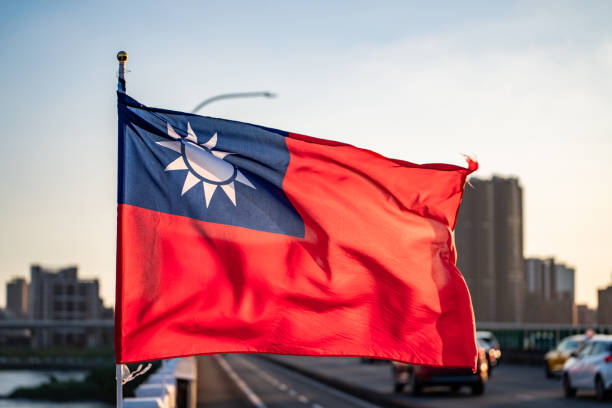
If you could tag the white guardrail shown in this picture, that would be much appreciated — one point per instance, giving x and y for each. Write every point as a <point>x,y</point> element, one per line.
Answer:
<point>172,386</point>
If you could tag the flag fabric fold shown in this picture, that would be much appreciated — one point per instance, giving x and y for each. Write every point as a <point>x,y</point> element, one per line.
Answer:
<point>237,238</point>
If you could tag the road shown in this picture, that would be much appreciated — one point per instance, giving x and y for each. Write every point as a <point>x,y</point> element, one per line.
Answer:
<point>250,381</point>
<point>271,385</point>
<point>509,386</point>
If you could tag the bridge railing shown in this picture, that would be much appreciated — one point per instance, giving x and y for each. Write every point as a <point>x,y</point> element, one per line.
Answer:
<point>172,386</point>
<point>56,324</point>
<point>536,336</point>
<point>516,336</point>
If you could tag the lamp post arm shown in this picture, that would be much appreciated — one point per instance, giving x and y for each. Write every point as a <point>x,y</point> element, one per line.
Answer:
<point>232,95</point>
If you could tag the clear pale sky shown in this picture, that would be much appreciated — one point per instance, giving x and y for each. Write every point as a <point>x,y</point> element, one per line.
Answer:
<point>526,87</point>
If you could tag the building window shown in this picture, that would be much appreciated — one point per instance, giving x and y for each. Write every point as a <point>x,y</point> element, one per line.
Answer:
<point>82,290</point>
<point>82,306</point>
<point>57,306</point>
<point>57,290</point>
<point>70,289</point>
<point>69,306</point>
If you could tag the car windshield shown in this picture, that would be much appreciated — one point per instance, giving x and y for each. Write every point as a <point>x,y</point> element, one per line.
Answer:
<point>585,349</point>
<point>568,345</point>
<point>488,339</point>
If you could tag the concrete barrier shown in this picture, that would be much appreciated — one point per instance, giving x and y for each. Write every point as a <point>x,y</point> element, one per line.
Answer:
<point>142,403</point>
<point>172,386</point>
<point>166,392</point>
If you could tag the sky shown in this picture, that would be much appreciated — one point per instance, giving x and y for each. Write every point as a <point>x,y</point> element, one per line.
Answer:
<point>525,87</point>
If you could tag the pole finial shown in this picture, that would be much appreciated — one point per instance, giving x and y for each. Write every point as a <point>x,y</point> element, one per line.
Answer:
<point>122,56</point>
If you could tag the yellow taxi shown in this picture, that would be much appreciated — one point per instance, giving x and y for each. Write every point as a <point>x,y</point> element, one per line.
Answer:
<point>555,359</point>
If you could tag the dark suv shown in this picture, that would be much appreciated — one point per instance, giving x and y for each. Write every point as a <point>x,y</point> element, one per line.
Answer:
<point>418,377</point>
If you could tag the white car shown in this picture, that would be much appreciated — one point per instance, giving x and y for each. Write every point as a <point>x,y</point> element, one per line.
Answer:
<point>590,367</point>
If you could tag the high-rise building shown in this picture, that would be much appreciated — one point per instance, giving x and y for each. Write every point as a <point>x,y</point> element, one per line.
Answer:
<point>489,240</point>
<point>585,315</point>
<point>475,239</point>
<point>17,298</point>
<point>534,276</point>
<point>549,279</point>
<point>509,264</point>
<point>565,282</point>
<point>550,292</point>
<point>60,295</point>
<point>604,305</point>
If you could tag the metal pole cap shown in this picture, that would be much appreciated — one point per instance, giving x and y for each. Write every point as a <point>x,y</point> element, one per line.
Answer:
<point>122,56</point>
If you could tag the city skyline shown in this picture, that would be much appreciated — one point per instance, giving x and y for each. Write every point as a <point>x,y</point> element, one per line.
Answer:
<point>524,88</point>
<point>471,246</point>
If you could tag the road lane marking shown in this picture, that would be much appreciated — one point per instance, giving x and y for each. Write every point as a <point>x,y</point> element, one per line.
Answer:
<point>293,393</point>
<point>342,395</point>
<point>325,388</point>
<point>255,400</point>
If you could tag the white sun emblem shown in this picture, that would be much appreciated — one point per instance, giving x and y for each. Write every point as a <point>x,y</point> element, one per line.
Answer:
<point>204,165</point>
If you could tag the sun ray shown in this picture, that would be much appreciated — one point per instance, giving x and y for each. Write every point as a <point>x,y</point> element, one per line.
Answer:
<point>230,191</point>
<point>219,153</point>
<point>212,142</point>
<point>172,133</point>
<point>242,179</point>
<point>176,146</point>
<point>209,190</point>
<point>178,164</point>
<point>190,135</point>
<point>190,181</point>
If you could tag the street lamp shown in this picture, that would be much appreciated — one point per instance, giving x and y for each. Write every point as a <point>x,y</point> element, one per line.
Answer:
<point>233,95</point>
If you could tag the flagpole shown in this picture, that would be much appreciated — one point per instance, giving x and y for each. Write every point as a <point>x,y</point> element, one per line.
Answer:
<point>122,57</point>
<point>119,376</point>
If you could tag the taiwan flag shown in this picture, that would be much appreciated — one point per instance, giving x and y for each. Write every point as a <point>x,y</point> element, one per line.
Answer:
<point>238,238</point>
